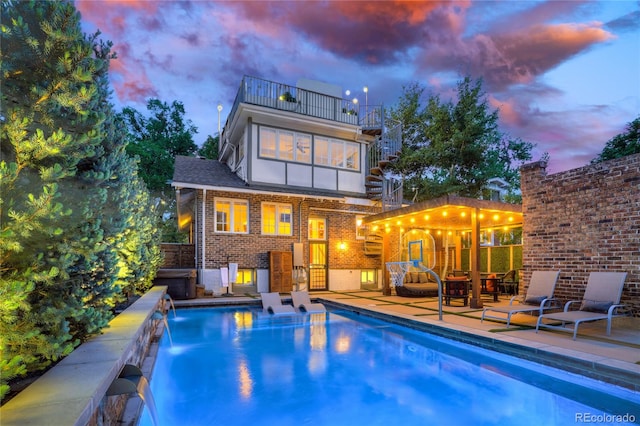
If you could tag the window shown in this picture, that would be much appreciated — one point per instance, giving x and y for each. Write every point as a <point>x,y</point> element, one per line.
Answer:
<point>267,142</point>
<point>303,148</point>
<point>336,153</point>
<point>280,144</point>
<point>285,145</point>
<point>351,155</point>
<point>361,229</point>
<point>245,277</point>
<point>368,276</point>
<point>277,219</point>
<point>231,216</point>
<point>317,229</point>
<point>321,152</point>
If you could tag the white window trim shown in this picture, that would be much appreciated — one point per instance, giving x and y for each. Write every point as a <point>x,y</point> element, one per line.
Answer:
<point>295,137</point>
<point>233,202</point>
<point>330,142</point>
<point>278,217</point>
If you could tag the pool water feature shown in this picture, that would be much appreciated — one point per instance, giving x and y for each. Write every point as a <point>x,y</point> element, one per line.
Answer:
<point>239,366</point>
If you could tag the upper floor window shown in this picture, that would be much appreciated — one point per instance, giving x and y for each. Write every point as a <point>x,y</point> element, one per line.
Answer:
<point>277,219</point>
<point>285,145</point>
<point>231,216</point>
<point>336,153</point>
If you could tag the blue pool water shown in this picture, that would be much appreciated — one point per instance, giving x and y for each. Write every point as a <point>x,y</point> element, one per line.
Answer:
<point>242,367</point>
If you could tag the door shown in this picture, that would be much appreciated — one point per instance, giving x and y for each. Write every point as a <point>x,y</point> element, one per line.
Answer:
<point>318,265</point>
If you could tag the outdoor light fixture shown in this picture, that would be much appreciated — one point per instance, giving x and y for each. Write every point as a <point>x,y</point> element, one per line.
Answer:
<point>366,99</point>
<point>219,111</point>
<point>342,245</point>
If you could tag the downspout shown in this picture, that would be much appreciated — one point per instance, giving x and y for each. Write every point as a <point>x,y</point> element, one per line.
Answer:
<point>204,222</point>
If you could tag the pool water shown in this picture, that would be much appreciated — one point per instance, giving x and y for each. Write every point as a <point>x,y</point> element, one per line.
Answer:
<point>243,367</point>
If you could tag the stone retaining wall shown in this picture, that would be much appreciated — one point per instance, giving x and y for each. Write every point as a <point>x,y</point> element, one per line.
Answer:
<point>73,392</point>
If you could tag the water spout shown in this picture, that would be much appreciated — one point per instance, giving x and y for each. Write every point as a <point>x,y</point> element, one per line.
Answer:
<point>131,380</point>
<point>159,315</point>
<point>168,297</point>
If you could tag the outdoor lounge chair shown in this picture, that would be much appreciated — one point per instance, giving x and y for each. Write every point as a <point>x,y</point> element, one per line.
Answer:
<point>601,301</point>
<point>302,302</point>
<point>272,304</point>
<point>539,297</point>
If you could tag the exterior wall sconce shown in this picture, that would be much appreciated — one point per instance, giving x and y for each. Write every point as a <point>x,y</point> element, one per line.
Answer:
<point>342,246</point>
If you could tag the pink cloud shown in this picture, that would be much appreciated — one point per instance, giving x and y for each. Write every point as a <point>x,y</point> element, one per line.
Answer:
<point>516,58</point>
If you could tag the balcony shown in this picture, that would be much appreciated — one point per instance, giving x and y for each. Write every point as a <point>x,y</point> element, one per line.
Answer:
<point>283,97</point>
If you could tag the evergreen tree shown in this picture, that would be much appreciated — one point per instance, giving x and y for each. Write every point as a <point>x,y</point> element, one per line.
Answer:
<point>209,149</point>
<point>74,216</point>
<point>454,148</point>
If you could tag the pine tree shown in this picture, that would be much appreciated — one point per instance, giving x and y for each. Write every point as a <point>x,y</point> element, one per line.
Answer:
<point>77,225</point>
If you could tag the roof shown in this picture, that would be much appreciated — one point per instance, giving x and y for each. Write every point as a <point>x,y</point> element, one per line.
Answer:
<point>451,212</point>
<point>193,172</point>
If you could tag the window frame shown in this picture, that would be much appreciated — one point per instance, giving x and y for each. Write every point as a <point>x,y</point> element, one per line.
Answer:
<point>232,215</point>
<point>278,216</point>
<point>285,145</point>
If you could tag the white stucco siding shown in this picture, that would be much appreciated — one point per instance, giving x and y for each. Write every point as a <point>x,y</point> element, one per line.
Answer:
<point>350,182</point>
<point>268,171</point>
<point>299,175</point>
<point>324,178</point>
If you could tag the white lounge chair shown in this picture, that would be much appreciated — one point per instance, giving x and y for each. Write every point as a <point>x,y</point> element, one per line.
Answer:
<point>272,304</point>
<point>302,302</point>
<point>601,301</point>
<point>539,298</point>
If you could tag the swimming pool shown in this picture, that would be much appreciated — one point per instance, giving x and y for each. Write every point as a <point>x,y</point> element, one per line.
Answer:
<point>238,366</point>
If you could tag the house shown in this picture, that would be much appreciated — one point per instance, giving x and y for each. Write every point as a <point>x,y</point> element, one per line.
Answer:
<point>299,168</point>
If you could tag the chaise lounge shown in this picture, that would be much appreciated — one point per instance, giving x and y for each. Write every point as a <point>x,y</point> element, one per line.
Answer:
<point>302,302</point>
<point>601,301</point>
<point>272,304</point>
<point>539,298</point>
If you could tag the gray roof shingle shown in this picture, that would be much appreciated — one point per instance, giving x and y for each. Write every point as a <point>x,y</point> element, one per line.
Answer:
<point>198,171</point>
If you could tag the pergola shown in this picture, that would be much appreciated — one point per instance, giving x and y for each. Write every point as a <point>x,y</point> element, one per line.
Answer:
<point>449,213</point>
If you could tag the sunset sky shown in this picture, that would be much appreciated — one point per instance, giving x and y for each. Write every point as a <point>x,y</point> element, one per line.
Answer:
<point>564,74</point>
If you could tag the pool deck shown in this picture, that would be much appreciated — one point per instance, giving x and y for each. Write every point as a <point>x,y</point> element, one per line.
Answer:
<point>614,359</point>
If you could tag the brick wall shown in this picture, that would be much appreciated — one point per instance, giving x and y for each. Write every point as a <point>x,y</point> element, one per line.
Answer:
<point>583,220</point>
<point>251,250</point>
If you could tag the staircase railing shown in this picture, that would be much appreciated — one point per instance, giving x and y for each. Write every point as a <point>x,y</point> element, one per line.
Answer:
<point>380,153</point>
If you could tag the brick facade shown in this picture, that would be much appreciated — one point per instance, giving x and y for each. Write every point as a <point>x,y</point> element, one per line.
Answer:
<point>583,220</point>
<point>251,250</point>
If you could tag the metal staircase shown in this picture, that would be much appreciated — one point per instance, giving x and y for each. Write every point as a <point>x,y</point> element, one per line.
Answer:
<point>379,185</point>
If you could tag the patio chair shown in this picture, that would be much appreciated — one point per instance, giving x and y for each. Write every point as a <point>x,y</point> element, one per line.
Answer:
<point>302,302</point>
<point>539,298</point>
<point>508,283</point>
<point>272,304</point>
<point>601,301</point>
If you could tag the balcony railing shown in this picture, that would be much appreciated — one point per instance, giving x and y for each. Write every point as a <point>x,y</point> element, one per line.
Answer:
<point>283,97</point>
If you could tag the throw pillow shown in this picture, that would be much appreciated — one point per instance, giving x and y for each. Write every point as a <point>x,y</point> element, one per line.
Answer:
<point>595,306</point>
<point>534,300</point>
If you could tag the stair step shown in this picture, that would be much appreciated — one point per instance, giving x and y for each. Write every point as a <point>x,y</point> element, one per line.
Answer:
<point>376,171</point>
<point>374,178</point>
<point>373,184</point>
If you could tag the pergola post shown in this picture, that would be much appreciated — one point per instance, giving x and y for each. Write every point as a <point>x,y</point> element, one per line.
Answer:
<point>386,287</point>
<point>476,301</point>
